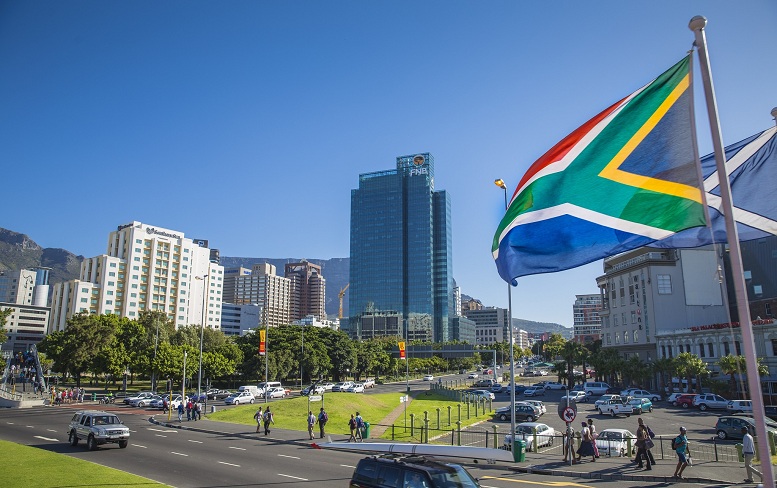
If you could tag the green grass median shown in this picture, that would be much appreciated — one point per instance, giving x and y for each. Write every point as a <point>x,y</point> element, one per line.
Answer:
<point>25,466</point>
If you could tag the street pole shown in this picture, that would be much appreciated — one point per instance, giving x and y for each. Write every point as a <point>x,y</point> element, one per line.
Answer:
<point>156,345</point>
<point>183,383</point>
<point>202,330</point>
<point>266,355</point>
<point>501,184</point>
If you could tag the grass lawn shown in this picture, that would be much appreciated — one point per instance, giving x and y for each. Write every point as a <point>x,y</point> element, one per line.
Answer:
<point>25,466</point>
<point>292,413</point>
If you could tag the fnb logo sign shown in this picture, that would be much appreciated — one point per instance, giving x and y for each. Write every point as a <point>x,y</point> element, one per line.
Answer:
<point>418,171</point>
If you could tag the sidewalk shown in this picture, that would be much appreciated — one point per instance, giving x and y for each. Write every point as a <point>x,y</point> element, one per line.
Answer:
<point>605,468</point>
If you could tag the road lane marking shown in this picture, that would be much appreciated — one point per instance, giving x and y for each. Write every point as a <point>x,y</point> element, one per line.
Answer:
<point>160,430</point>
<point>9,423</point>
<point>138,445</point>
<point>179,454</point>
<point>198,442</point>
<point>160,435</point>
<point>51,430</point>
<point>30,427</point>
<point>347,466</point>
<point>293,477</point>
<point>238,448</point>
<point>543,483</point>
<point>45,438</point>
<point>229,464</point>
<point>290,457</point>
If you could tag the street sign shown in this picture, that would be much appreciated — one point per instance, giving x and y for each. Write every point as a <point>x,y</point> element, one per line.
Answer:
<point>569,414</point>
<point>564,404</point>
<point>314,398</point>
<point>403,399</point>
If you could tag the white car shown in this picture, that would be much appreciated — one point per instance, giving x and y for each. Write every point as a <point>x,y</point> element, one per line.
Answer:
<point>575,396</point>
<point>534,391</point>
<point>555,385</point>
<point>143,394</point>
<point>673,398</point>
<point>536,403</point>
<point>342,386</point>
<point>614,442</point>
<point>160,402</point>
<point>239,398</point>
<point>327,386</point>
<point>472,376</point>
<point>276,392</point>
<point>369,383</point>
<point>316,391</point>
<point>356,388</point>
<point>637,393</point>
<point>526,430</point>
<point>144,402</point>
<point>483,394</point>
<point>605,399</point>
<point>428,377</point>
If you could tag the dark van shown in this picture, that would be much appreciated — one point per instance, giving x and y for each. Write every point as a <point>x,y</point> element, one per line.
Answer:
<point>410,472</point>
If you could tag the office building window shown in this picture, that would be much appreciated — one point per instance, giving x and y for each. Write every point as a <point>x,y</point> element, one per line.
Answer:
<point>701,350</point>
<point>664,283</point>
<point>726,349</point>
<point>711,350</point>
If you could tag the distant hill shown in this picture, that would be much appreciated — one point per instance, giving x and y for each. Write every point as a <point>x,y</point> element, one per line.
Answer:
<point>540,327</point>
<point>18,251</point>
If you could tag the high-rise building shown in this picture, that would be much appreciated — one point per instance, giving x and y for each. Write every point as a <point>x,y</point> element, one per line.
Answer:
<point>267,290</point>
<point>401,250</point>
<point>491,324</point>
<point>238,320</point>
<point>144,268</point>
<point>587,324</point>
<point>25,292</point>
<point>230,279</point>
<point>308,290</point>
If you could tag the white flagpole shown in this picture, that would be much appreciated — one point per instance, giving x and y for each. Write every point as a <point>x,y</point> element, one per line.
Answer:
<point>697,25</point>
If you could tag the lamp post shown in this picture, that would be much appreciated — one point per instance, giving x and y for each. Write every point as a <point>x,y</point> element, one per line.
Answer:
<point>204,278</point>
<point>126,373</point>
<point>153,365</point>
<point>501,184</point>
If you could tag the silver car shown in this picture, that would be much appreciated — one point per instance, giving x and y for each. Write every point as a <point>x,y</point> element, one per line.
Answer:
<point>97,428</point>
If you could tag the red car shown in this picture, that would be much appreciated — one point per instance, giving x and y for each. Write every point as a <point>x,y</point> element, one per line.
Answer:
<point>685,401</point>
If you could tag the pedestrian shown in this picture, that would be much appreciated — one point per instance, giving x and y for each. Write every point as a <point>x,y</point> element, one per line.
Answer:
<point>748,451</point>
<point>680,446</point>
<point>323,418</point>
<point>189,409</point>
<point>359,426</point>
<point>352,428</point>
<point>267,419</point>
<point>642,445</point>
<point>258,418</point>
<point>594,435</point>
<point>198,410</point>
<point>311,423</point>
<point>586,445</point>
<point>569,444</point>
<point>180,412</point>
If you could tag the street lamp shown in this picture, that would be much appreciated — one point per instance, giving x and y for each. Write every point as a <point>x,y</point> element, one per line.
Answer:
<point>126,373</point>
<point>501,184</point>
<point>204,278</point>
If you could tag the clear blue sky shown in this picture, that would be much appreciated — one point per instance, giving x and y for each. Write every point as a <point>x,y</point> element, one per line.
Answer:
<point>248,123</point>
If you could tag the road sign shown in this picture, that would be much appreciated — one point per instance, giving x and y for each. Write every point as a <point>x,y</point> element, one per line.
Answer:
<point>403,399</point>
<point>314,398</point>
<point>569,414</point>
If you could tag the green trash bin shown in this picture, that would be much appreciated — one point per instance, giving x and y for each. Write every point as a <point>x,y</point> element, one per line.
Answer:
<point>94,397</point>
<point>366,431</point>
<point>519,450</point>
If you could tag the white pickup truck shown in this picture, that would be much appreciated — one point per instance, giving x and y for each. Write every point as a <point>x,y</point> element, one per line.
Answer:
<point>615,407</point>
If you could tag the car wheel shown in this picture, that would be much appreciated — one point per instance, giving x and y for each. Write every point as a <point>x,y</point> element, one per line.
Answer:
<point>722,435</point>
<point>251,401</point>
<point>91,444</point>
<point>530,418</point>
<point>674,404</point>
<point>628,415</point>
<point>612,413</point>
<point>685,405</point>
<point>123,444</point>
<point>703,407</point>
<point>622,452</point>
<point>550,441</point>
<point>600,411</point>
<point>650,410</point>
<point>503,417</point>
<point>73,438</point>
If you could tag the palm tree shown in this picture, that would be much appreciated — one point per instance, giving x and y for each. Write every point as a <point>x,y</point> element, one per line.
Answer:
<point>690,365</point>
<point>732,365</point>
<point>664,367</point>
<point>573,353</point>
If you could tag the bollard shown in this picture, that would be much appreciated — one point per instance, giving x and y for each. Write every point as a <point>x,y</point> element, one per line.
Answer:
<point>425,434</point>
<point>489,406</point>
<point>468,410</point>
<point>458,433</point>
<point>536,447</point>
<point>772,442</point>
<point>412,424</point>
<point>449,415</point>
<point>213,409</point>
<point>438,418</point>
<point>477,405</point>
<point>459,407</point>
<point>661,441</point>
<point>392,432</point>
<point>628,447</point>
<point>496,441</point>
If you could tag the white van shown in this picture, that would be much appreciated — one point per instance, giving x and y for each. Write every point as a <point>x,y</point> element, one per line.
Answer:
<point>596,388</point>
<point>256,392</point>
<point>270,384</point>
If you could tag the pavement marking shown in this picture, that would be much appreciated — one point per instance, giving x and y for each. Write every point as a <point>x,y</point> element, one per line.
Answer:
<point>543,483</point>
<point>229,464</point>
<point>9,423</point>
<point>347,466</point>
<point>293,477</point>
<point>160,430</point>
<point>51,430</point>
<point>30,427</point>
<point>291,457</point>
<point>138,445</point>
<point>198,442</point>
<point>179,454</point>
<point>160,435</point>
<point>45,438</point>
<point>238,448</point>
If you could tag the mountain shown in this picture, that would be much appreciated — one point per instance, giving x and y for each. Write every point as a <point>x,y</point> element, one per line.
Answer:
<point>18,251</point>
<point>540,327</point>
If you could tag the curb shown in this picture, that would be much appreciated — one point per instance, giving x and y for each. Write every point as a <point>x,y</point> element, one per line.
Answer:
<point>613,476</point>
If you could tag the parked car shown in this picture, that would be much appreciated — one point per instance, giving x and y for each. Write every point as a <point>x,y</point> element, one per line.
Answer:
<point>555,385</point>
<point>472,376</point>
<point>375,472</point>
<point>605,399</point>
<point>685,400</point>
<point>740,406</point>
<point>534,391</point>
<point>710,400</point>
<point>316,391</point>
<point>143,394</point>
<point>342,386</point>
<point>97,428</point>
<point>637,393</point>
<point>144,402</point>
<point>483,394</point>
<point>730,426</point>
<point>535,403</point>
<point>276,392</point>
<point>523,412</point>
<point>239,398</point>
<point>614,442</point>
<point>369,383</point>
<point>673,398</point>
<point>328,386</point>
<point>614,408</point>
<point>497,388</point>
<point>640,405</point>
<point>771,411</point>
<point>526,431</point>
<point>485,383</point>
<point>429,377</point>
<point>575,396</point>
<point>595,388</point>
<point>356,388</point>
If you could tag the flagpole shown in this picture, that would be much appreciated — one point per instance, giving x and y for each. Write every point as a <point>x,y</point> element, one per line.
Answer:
<point>697,25</point>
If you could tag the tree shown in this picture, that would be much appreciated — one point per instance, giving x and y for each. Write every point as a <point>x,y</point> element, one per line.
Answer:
<point>690,365</point>
<point>553,346</point>
<point>664,367</point>
<point>3,317</point>
<point>573,353</point>
<point>732,365</point>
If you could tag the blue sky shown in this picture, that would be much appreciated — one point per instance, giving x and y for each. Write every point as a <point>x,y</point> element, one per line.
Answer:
<point>248,123</point>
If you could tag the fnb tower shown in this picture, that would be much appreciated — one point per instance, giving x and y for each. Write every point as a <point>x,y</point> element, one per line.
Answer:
<point>401,275</point>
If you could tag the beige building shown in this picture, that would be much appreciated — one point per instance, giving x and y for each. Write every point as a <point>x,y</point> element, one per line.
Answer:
<point>308,290</point>
<point>267,290</point>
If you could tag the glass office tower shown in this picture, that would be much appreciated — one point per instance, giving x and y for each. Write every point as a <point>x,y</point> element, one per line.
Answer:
<point>401,250</point>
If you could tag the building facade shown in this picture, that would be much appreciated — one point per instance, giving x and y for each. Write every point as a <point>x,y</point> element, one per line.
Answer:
<point>464,330</point>
<point>25,292</point>
<point>263,287</point>
<point>587,324</point>
<point>145,268</point>
<point>238,320</point>
<point>647,290</point>
<point>491,325</point>
<point>401,259</point>
<point>308,290</point>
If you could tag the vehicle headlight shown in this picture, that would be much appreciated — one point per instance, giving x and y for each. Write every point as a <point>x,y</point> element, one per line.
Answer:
<point>100,431</point>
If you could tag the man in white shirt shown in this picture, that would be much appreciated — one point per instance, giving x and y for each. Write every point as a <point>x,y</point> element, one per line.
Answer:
<point>748,450</point>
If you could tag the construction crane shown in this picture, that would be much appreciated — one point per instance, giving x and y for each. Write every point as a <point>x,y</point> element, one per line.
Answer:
<point>340,296</point>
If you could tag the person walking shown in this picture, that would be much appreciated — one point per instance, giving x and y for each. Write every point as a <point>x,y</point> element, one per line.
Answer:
<point>569,445</point>
<point>359,426</point>
<point>267,419</point>
<point>594,435</point>
<point>352,428</point>
<point>586,448</point>
<point>197,410</point>
<point>680,446</point>
<point>258,417</point>
<point>323,418</point>
<point>180,412</point>
<point>642,438</point>
<point>311,423</point>
<point>748,451</point>
<point>188,409</point>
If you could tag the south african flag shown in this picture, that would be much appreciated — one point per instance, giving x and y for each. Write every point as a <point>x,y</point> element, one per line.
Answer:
<point>626,178</point>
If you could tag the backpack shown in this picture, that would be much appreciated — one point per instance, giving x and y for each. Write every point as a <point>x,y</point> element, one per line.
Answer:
<point>267,416</point>
<point>359,423</point>
<point>676,443</point>
<point>324,417</point>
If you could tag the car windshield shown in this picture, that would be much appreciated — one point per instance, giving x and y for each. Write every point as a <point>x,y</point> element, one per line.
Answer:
<point>524,429</point>
<point>612,436</point>
<point>456,476</point>
<point>105,420</point>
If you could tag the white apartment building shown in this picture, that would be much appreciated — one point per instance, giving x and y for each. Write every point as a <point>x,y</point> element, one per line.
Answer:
<point>267,290</point>
<point>145,268</point>
<point>587,323</point>
<point>25,292</point>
